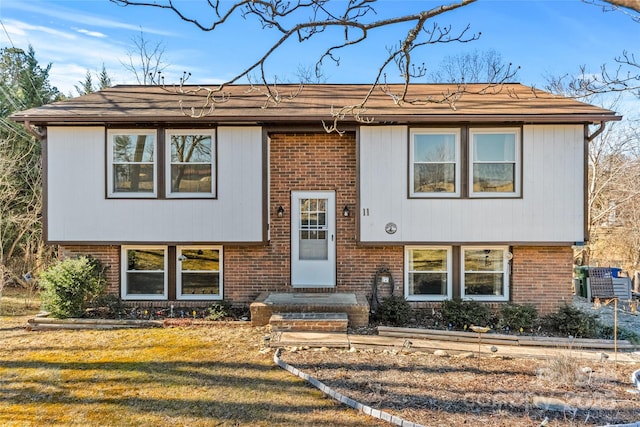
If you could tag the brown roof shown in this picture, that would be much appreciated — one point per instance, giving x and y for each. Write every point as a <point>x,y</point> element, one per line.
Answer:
<point>315,102</point>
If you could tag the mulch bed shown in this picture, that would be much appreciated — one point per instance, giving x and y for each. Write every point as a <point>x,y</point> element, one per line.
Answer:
<point>491,391</point>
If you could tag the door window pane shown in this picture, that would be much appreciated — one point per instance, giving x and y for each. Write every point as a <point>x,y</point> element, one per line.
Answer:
<point>313,230</point>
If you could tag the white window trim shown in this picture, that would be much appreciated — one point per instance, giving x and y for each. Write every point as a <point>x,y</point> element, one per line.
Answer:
<point>518,162</point>
<point>177,195</point>
<point>506,272</point>
<point>123,274</point>
<point>449,295</point>
<point>110,158</point>
<point>207,297</point>
<point>434,131</point>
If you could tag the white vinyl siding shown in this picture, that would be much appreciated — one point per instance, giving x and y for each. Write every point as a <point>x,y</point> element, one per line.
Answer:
<point>79,211</point>
<point>550,209</point>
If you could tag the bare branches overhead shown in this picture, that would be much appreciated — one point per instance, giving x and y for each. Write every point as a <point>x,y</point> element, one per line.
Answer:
<point>302,20</point>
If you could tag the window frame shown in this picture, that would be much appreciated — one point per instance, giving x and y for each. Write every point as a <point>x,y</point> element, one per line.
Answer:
<point>407,258</point>
<point>457,133</point>
<point>517,161</point>
<point>506,274</point>
<point>124,270</point>
<point>195,297</point>
<point>168,133</point>
<point>111,191</point>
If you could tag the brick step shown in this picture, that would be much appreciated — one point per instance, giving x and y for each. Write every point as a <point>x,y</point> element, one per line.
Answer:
<point>320,322</point>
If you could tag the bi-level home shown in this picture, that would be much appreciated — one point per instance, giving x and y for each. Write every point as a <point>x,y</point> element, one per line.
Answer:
<point>191,196</point>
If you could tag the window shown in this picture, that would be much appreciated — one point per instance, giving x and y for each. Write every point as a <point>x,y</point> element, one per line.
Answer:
<point>428,273</point>
<point>190,163</point>
<point>434,158</point>
<point>485,273</point>
<point>131,163</point>
<point>144,272</point>
<point>199,273</point>
<point>183,272</point>
<point>495,165</point>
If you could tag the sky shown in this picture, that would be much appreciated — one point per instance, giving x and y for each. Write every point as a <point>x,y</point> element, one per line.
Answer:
<point>543,37</point>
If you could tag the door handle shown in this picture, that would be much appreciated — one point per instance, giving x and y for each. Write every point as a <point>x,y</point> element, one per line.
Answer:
<point>332,237</point>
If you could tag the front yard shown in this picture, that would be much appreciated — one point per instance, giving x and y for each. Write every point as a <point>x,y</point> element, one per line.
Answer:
<point>214,376</point>
<point>221,375</point>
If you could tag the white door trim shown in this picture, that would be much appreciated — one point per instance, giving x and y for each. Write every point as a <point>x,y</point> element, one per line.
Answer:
<point>313,239</point>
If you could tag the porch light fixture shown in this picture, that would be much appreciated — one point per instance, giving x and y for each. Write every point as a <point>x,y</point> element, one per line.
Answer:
<point>280,211</point>
<point>346,211</point>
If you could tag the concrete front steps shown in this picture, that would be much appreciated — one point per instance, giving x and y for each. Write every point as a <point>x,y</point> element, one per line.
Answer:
<point>309,312</point>
<point>316,322</point>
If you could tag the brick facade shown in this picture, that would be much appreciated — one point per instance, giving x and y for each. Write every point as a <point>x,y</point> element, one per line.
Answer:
<point>542,276</point>
<point>320,161</point>
<point>309,162</point>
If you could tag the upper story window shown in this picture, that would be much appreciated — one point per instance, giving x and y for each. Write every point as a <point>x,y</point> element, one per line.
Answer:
<point>132,158</point>
<point>434,162</point>
<point>494,162</point>
<point>190,163</point>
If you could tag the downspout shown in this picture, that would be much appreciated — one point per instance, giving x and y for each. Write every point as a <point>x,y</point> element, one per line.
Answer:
<point>40,135</point>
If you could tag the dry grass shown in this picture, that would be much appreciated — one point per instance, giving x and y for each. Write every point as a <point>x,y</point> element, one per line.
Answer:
<point>215,376</point>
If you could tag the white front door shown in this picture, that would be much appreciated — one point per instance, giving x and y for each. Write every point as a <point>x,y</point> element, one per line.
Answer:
<point>313,240</point>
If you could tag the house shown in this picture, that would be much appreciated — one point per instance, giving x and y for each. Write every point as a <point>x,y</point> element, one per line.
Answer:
<point>192,201</point>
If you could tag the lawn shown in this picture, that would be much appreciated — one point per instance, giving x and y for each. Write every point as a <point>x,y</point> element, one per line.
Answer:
<point>205,376</point>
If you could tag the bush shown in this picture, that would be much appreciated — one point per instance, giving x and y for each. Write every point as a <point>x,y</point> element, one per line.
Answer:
<point>219,310</point>
<point>569,320</point>
<point>517,317</point>
<point>69,287</point>
<point>395,311</point>
<point>460,313</point>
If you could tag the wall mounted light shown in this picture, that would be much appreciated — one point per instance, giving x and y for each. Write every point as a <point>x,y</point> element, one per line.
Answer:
<point>280,211</point>
<point>346,211</point>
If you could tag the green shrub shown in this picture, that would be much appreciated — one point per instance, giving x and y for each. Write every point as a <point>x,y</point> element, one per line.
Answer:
<point>459,313</point>
<point>219,310</point>
<point>569,320</point>
<point>517,316</point>
<point>69,287</point>
<point>395,311</point>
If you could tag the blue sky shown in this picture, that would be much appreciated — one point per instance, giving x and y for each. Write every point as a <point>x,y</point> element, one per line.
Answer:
<point>544,37</point>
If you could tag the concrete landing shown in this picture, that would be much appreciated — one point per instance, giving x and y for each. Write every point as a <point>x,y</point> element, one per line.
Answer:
<point>355,306</point>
